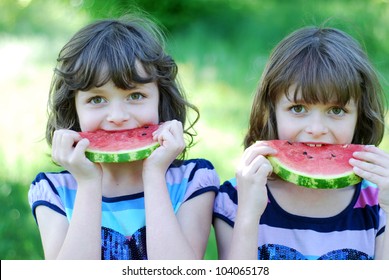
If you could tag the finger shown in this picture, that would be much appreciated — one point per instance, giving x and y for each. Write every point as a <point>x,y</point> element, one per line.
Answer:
<point>262,166</point>
<point>366,160</point>
<point>257,149</point>
<point>63,144</point>
<point>174,127</point>
<point>373,154</point>
<point>369,167</point>
<point>54,146</point>
<point>68,142</point>
<point>266,168</point>
<point>375,150</point>
<point>259,166</point>
<point>57,145</point>
<point>81,146</point>
<point>372,177</point>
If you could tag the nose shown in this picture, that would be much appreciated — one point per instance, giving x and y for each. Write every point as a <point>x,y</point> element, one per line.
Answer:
<point>118,113</point>
<point>316,126</point>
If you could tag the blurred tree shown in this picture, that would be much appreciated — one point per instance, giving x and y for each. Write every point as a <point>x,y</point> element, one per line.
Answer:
<point>39,17</point>
<point>171,14</point>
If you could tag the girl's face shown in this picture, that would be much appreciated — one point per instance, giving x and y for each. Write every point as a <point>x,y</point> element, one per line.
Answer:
<point>111,108</point>
<point>315,123</point>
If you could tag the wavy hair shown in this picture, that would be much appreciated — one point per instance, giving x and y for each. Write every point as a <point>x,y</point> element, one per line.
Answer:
<point>109,50</point>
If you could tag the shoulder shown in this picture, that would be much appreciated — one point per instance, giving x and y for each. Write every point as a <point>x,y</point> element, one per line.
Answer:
<point>228,189</point>
<point>226,202</point>
<point>48,188</point>
<point>193,168</point>
<point>196,163</point>
<point>229,184</point>
<point>54,178</point>
<point>368,203</point>
<point>53,181</point>
<point>192,177</point>
<point>368,194</point>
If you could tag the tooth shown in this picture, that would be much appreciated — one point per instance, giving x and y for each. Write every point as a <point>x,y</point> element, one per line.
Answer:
<point>314,145</point>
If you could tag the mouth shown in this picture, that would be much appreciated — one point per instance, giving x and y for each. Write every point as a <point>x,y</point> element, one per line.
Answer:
<point>315,144</point>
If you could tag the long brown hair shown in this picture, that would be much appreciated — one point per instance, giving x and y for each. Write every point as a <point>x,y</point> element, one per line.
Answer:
<point>325,64</point>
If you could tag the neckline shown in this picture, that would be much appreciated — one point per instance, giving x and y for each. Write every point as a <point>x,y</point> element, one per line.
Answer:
<point>123,197</point>
<point>307,219</point>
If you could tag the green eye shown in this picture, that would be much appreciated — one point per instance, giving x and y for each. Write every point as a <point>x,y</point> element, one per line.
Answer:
<point>337,111</point>
<point>297,109</point>
<point>135,96</point>
<point>97,100</point>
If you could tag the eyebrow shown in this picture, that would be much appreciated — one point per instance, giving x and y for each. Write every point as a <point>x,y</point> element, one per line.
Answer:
<point>96,90</point>
<point>101,91</point>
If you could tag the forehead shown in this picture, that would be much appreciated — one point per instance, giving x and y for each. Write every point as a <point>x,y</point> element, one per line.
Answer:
<point>122,79</point>
<point>294,94</point>
<point>314,95</point>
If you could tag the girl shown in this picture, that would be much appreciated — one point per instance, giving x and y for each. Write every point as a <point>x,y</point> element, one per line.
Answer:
<point>318,88</point>
<point>115,75</point>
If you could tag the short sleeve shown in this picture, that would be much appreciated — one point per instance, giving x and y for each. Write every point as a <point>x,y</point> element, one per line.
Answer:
<point>43,192</point>
<point>203,178</point>
<point>382,224</point>
<point>368,199</point>
<point>226,202</point>
<point>189,179</point>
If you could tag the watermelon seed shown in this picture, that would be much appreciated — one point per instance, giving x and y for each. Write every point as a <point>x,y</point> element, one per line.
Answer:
<point>290,143</point>
<point>144,134</point>
<point>306,154</point>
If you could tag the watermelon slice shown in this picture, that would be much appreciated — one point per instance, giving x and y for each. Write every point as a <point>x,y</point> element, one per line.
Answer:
<point>120,146</point>
<point>314,166</point>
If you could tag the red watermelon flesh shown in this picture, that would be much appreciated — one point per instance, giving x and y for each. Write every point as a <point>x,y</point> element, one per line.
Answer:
<point>121,146</point>
<point>314,166</point>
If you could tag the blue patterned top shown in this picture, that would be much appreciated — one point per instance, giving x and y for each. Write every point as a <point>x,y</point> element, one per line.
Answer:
<point>349,235</point>
<point>123,231</point>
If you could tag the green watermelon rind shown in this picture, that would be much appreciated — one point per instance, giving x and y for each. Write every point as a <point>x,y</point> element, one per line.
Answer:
<point>121,156</point>
<point>309,181</point>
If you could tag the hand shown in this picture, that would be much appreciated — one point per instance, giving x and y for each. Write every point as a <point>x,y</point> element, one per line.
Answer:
<point>251,175</point>
<point>68,150</point>
<point>372,164</point>
<point>170,136</point>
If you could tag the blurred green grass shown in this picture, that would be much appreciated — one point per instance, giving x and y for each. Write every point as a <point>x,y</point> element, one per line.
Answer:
<point>221,53</point>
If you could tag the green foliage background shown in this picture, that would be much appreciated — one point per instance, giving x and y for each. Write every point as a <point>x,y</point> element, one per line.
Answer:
<point>221,47</point>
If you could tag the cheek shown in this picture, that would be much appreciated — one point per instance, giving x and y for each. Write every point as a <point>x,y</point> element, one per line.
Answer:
<point>285,131</point>
<point>286,128</point>
<point>348,133</point>
<point>151,114</point>
<point>88,122</point>
<point>153,118</point>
